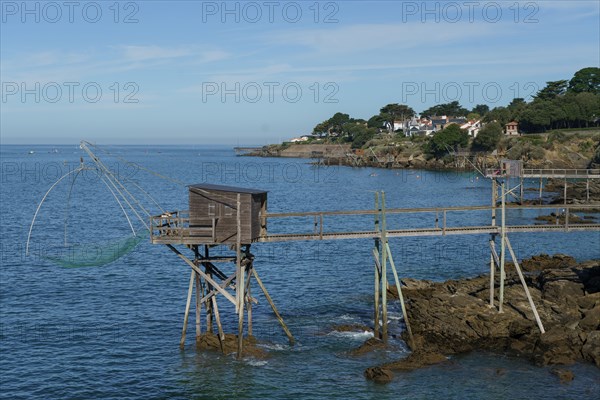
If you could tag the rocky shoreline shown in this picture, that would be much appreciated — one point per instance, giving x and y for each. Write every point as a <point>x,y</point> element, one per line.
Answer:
<point>454,317</point>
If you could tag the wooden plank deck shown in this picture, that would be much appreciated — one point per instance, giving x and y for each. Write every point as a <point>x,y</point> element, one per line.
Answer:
<point>439,227</point>
<point>529,173</point>
<point>466,230</point>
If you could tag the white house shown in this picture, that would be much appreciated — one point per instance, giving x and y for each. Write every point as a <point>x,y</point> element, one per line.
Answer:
<point>472,127</point>
<point>300,139</point>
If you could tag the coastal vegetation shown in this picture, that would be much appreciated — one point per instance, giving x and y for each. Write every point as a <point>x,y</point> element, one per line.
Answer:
<point>560,125</point>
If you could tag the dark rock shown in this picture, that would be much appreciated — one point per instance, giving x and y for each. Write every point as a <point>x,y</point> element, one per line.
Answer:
<point>544,261</point>
<point>562,291</point>
<point>368,346</point>
<point>589,301</point>
<point>591,348</point>
<point>417,360</point>
<point>209,341</point>
<point>591,320</point>
<point>558,346</point>
<point>455,317</point>
<point>379,375</point>
<point>564,375</point>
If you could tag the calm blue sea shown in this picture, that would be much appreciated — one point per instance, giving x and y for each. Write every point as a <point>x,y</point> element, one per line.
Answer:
<point>112,331</point>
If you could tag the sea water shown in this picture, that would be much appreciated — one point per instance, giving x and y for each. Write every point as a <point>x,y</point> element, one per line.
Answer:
<point>112,331</point>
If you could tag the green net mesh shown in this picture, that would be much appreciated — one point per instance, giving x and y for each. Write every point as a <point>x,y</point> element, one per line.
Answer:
<point>94,254</point>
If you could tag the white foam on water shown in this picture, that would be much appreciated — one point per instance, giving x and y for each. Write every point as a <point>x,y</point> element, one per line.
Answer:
<point>352,335</point>
<point>274,346</point>
<point>257,363</point>
<point>347,317</point>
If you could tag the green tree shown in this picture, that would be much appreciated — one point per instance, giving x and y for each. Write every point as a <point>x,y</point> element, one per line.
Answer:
<point>361,134</point>
<point>500,114</point>
<point>586,80</point>
<point>515,108</point>
<point>337,121</point>
<point>589,107</point>
<point>449,139</point>
<point>488,137</point>
<point>394,112</point>
<point>321,129</point>
<point>449,109</point>
<point>481,109</point>
<point>376,121</point>
<point>473,116</point>
<point>552,90</point>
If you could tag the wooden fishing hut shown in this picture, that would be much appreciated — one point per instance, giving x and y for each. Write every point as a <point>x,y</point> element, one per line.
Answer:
<point>218,215</point>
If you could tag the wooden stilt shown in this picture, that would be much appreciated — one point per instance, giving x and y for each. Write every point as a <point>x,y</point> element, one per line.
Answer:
<point>218,321</point>
<point>492,238</point>
<point>587,190</point>
<point>198,307</point>
<point>208,303</point>
<point>541,188</point>
<point>521,191</point>
<point>268,297</point>
<point>502,249</point>
<point>239,282</point>
<point>198,289</point>
<point>207,278</point>
<point>377,268</point>
<point>187,308</point>
<point>384,320</point>
<point>493,263</point>
<point>411,342</point>
<point>565,192</point>
<point>531,303</point>
<point>377,257</point>
<point>242,287</point>
<point>248,300</point>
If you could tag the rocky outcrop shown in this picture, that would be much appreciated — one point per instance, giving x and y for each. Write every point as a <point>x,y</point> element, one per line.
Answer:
<point>211,342</point>
<point>455,316</point>
<point>577,192</point>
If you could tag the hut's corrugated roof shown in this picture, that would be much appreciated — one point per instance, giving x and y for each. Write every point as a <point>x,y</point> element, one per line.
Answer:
<point>223,188</point>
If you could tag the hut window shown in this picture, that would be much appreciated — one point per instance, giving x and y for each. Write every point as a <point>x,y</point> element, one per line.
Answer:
<point>211,209</point>
<point>228,211</point>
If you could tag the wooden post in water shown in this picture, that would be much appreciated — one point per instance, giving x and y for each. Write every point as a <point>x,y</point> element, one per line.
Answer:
<point>219,326</point>
<point>268,297</point>
<point>502,248</point>
<point>531,303</point>
<point>187,308</point>
<point>521,190</point>
<point>587,190</point>
<point>411,340</point>
<point>208,304</point>
<point>377,269</point>
<point>384,321</point>
<point>239,282</point>
<point>198,288</point>
<point>248,299</point>
<point>492,238</point>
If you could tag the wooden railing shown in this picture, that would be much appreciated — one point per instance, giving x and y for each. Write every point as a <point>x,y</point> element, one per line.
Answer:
<point>548,173</point>
<point>177,226</point>
<point>438,224</point>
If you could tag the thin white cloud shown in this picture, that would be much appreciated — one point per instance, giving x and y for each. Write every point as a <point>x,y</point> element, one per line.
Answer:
<point>359,38</point>
<point>56,65</point>
<point>143,53</point>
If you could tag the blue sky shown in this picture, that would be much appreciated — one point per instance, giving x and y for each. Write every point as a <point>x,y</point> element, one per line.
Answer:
<point>260,72</point>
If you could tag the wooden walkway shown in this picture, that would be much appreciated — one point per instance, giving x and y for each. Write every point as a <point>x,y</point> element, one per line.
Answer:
<point>313,226</point>
<point>531,173</point>
<point>439,227</point>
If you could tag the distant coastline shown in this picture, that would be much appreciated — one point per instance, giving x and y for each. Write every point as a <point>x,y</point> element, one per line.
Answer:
<point>577,149</point>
